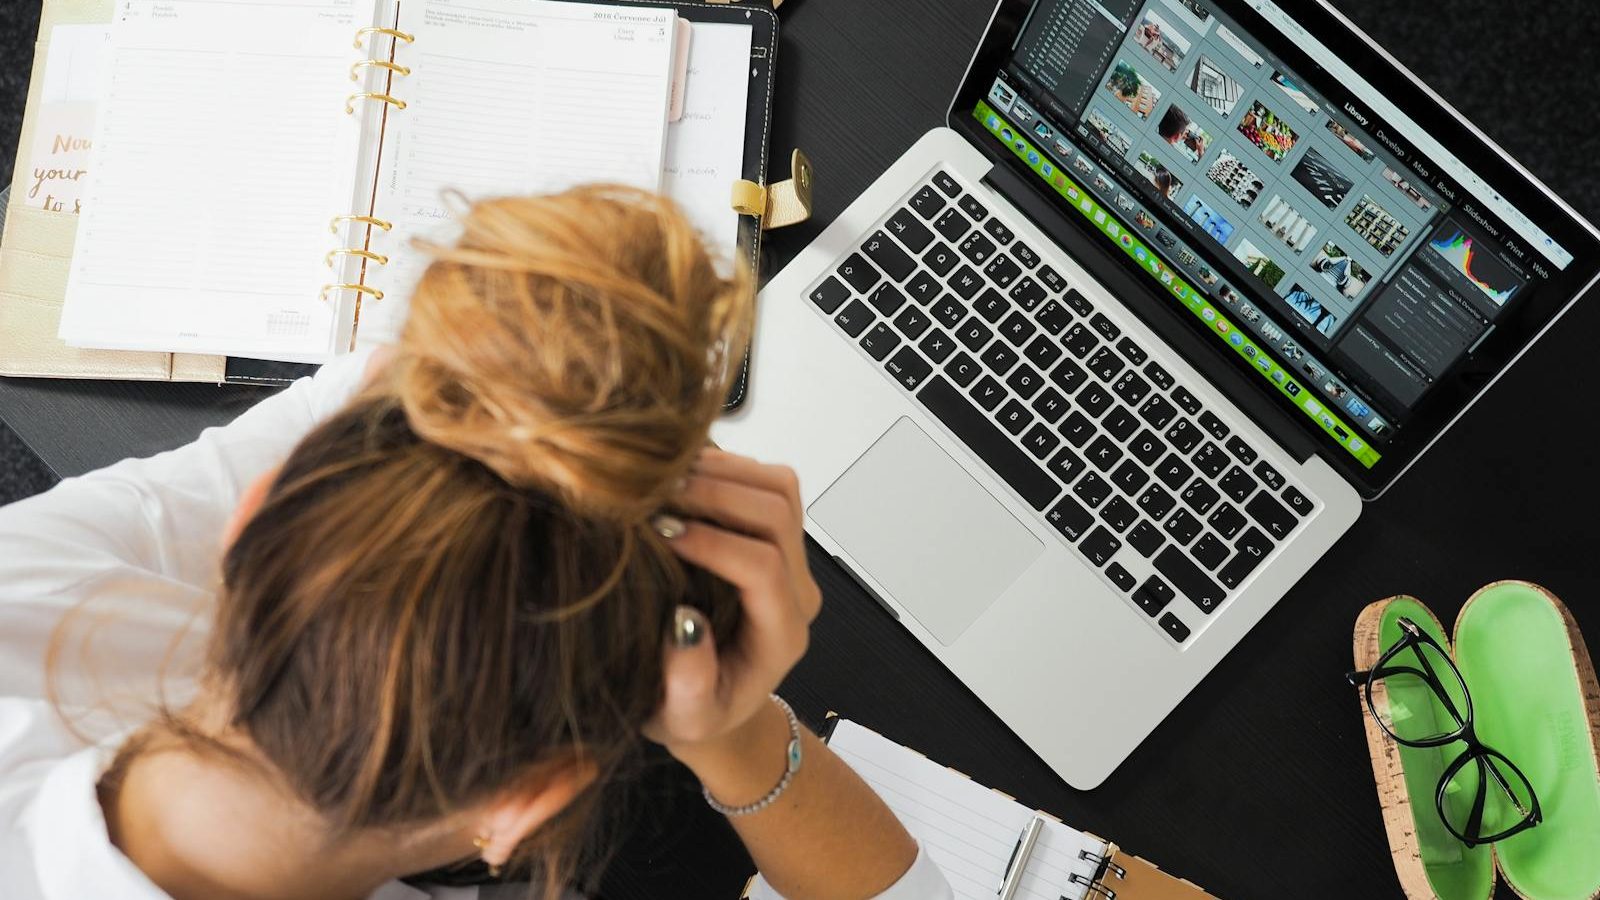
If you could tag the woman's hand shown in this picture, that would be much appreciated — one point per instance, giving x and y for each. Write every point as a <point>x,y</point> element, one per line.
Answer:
<point>744,523</point>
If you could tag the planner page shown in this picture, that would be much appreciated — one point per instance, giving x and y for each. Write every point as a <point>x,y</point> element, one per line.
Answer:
<point>514,97</point>
<point>969,830</point>
<point>222,149</point>
<point>705,148</point>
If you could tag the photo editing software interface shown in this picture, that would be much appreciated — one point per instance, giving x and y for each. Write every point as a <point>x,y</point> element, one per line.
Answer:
<point>1308,231</point>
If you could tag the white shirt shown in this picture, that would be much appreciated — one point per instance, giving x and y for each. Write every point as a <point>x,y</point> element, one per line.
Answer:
<point>126,560</point>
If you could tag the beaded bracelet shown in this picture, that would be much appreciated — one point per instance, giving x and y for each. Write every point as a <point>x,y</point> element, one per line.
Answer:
<point>792,758</point>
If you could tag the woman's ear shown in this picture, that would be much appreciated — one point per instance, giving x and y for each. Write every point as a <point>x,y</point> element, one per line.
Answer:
<point>520,811</point>
<point>249,501</point>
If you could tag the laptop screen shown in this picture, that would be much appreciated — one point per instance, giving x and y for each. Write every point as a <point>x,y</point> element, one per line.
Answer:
<point>1316,231</point>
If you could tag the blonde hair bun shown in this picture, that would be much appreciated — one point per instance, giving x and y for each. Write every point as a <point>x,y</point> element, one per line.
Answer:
<point>579,343</point>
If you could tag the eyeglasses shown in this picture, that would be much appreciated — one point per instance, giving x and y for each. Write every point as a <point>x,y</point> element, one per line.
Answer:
<point>1482,796</point>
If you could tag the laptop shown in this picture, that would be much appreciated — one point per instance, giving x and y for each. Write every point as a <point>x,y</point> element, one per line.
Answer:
<point>1084,383</point>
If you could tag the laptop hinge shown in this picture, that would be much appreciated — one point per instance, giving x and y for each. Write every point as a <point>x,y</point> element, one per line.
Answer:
<point>1162,317</point>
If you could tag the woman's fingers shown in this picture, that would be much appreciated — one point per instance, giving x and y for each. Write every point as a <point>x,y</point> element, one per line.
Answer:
<point>740,507</point>
<point>775,620</point>
<point>690,681</point>
<point>779,480</point>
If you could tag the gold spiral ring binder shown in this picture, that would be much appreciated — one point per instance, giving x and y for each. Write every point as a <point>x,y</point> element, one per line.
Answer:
<point>374,29</point>
<point>349,102</point>
<point>372,292</point>
<point>336,221</point>
<point>378,258</point>
<point>355,68</point>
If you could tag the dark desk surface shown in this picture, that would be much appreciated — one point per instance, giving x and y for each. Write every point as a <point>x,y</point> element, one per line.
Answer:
<point>1258,786</point>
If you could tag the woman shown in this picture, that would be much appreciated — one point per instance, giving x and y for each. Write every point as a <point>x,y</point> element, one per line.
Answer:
<point>418,612</point>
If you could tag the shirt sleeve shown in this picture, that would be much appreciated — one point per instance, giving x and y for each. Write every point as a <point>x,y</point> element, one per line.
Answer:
<point>133,551</point>
<point>923,881</point>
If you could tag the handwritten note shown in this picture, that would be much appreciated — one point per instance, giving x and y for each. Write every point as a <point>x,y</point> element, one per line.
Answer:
<point>58,160</point>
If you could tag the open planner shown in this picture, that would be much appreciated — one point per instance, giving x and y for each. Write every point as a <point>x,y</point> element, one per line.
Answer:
<point>980,838</point>
<point>263,169</point>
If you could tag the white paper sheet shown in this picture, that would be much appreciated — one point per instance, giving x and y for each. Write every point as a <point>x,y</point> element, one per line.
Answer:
<point>58,158</point>
<point>705,148</point>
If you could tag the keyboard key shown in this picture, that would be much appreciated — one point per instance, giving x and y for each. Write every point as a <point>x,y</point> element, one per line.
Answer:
<point>1068,376</point>
<point>1100,546</point>
<point>923,288</point>
<point>890,258</point>
<point>1188,579</point>
<point>1183,527</point>
<point>949,311</point>
<point>1052,279</point>
<point>1105,364</point>
<point>909,369</point>
<point>1147,448</point>
<point>1093,489</point>
<point>974,429</point>
<point>1156,502</point>
<point>1024,382</point>
<point>1105,326</point>
<point>1242,451</point>
<point>879,341</point>
<point>912,322</point>
<point>1027,293</point>
<point>1015,417</point>
<point>966,283</point>
<point>1118,515</point>
<point>1066,465</point>
<point>976,248</point>
<point>1269,476</point>
<point>999,358</point>
<point>886,299</point>
<point>1078,429</point>
<point>1050,405</point>
<point>970,205</point>
<point>1227,520</point>
<point>855,318</point>
<point>1040,440</point>
<point>1130,478</point>
<point>1053,317</point>
<point>963,369</point>
<point>1213,425</point>
<point>1251,549</point>
<point>1210,460</point>
<point>1153,596</point>
<point>1070,518</point>
<point>991,304</point>
<point>937,345</point>
<point>1210,551</point>
<point>1080,304</point>
<point>973,334</point>
<point>1131,388</point>
<point>1157,411</point>
<point>952,224</point>
<point>1121,577</point>
<point>946,183</point>
<point>1095,400</point>
<point>1272,515</point>
<point>927,202</point>
<point>1173,471</point>
<point>988,393</point>
<point>1120,423</point>
<point>1174,628</point>
<point>1079,340</point>
<point>912,233</point>
<point>1017,328</point>
<point>1186,401</point>
<point>1132,351</point>
<point>1002,270</point>
<point>1025,255</point>
<point>998,230</point>
<point>830,294</point>
<point>859,273</point>
<point>1297,501</point>
<point>1042,352</point>
<point>1158,376</point>
<point>1104,454</point>
<point>940,258</point>
<point>1184,436</point>
<point>1145,538</point>
<point>1200,497</point>
<point>1237,484</point>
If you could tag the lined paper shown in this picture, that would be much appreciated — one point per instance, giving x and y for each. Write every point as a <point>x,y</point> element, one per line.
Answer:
<point>967,829</point>
<point>705,148</point>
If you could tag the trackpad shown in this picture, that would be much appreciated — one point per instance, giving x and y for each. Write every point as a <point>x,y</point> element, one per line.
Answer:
<point>923,528</point>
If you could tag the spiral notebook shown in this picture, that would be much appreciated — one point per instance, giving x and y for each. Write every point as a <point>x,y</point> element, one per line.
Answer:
<point>978,836</point>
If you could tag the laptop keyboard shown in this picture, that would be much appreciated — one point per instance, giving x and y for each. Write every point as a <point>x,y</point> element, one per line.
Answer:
<point>1125,463</point>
